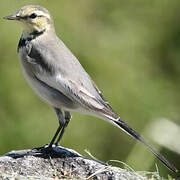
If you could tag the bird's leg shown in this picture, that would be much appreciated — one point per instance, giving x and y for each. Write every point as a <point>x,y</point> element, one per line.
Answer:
<point>61,125</point>
<point>67,120</point>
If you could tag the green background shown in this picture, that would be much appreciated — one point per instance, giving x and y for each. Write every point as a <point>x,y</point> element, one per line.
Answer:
<point>130,48</point>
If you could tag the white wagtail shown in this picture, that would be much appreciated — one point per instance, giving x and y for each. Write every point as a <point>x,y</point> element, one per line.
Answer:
<point>58,78</point>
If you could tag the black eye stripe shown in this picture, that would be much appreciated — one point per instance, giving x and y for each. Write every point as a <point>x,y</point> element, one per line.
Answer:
<point>26,17</point>
<point>23,17</point>
<point>33,16</point>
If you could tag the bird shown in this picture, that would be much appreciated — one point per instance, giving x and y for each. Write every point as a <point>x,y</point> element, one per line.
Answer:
<point>58,78</point>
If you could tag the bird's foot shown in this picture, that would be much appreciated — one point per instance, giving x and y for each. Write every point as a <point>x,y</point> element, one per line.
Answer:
<point>44,149</point>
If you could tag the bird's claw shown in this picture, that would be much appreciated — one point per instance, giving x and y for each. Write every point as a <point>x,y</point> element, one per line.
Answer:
<point>44,149</point>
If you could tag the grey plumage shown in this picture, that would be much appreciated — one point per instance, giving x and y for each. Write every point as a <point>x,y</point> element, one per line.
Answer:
<point>58,78</point>
<point>47,60</point>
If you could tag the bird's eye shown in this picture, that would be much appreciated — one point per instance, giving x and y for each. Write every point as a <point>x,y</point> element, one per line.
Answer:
<point>33,16</point>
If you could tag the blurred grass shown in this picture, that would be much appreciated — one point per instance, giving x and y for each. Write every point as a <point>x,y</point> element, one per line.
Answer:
<point>131,49</point>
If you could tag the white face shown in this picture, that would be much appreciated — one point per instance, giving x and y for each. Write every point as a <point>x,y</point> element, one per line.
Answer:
<point>33,19</point>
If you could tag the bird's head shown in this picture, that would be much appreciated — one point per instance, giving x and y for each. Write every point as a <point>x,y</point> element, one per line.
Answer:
<point>33,19</point>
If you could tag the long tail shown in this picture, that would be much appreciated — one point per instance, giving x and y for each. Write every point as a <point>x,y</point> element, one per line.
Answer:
<point>138,137</point>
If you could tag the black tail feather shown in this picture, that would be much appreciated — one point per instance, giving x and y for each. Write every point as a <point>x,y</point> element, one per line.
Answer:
<point>138,137</point>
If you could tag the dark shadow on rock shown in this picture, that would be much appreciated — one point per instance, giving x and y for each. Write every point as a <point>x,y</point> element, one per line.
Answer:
<point>46,153</point>
<point>59,162</point>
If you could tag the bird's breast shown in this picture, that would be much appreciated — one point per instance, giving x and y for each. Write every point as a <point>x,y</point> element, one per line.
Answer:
<point>48,94</point>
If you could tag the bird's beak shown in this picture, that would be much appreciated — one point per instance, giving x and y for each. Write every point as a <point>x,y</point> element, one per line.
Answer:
<point>12,17</point>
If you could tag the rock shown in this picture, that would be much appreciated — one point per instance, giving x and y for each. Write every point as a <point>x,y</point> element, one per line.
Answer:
<point>58,163</point>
